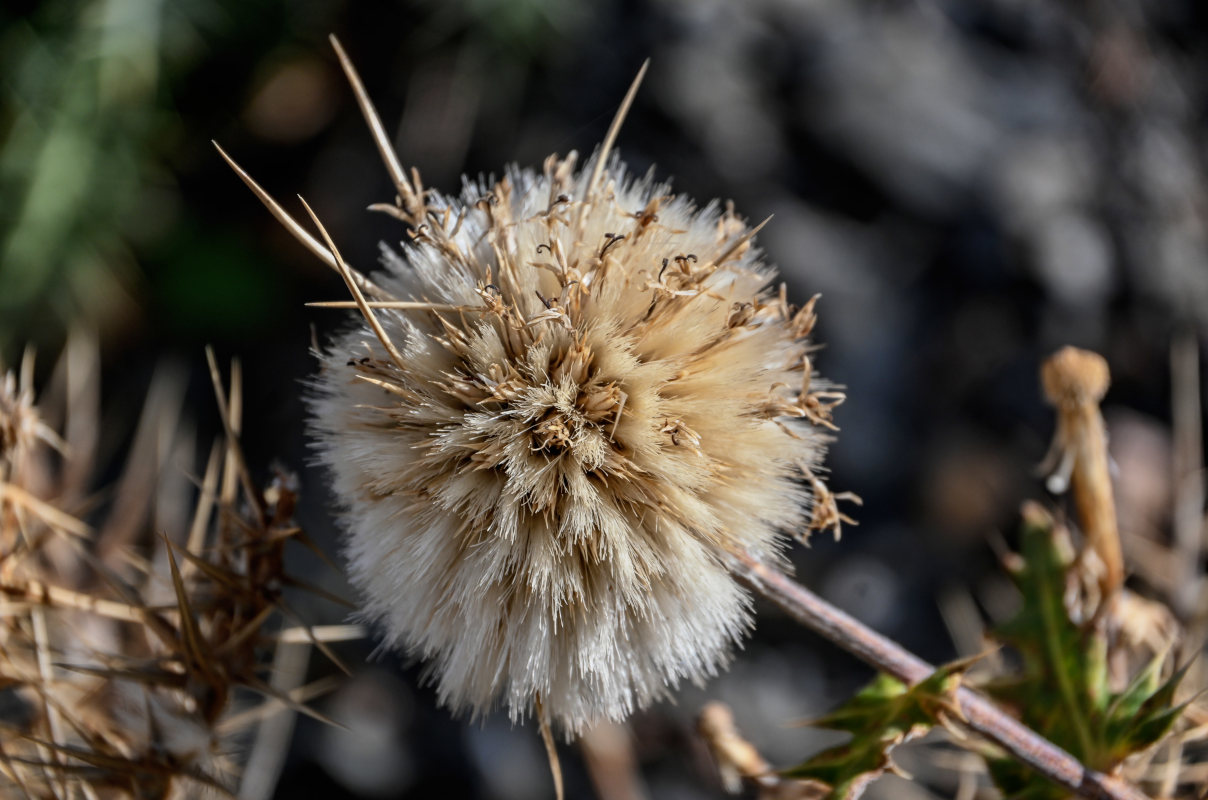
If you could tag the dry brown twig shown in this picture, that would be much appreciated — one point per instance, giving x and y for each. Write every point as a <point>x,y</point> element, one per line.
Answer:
<point>1188,474</point>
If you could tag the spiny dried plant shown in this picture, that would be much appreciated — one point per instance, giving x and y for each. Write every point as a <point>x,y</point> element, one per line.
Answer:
<point>121,658</point>
<point>571,394</point>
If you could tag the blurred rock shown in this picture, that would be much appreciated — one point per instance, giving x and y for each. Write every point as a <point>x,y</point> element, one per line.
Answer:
<point>900,94</point>
<point>1141,450</point>
<point>369,755</point>
<point>1073,259</point>
<point>866,588</point>
<point>967,484</point>
<point>295,101</point>
<point>510,759</point>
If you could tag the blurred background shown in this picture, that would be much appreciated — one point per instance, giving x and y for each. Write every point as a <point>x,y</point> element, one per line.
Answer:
<point>970,185</point>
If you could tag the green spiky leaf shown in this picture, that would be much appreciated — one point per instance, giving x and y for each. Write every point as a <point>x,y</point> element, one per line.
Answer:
<point>1063,685</point>
<point>1142,714</point>
<point>882,715</point>
<point>1062,690</point>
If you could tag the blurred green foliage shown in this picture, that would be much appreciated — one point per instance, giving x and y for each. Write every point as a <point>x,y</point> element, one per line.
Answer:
<point>85,125</point>
<point>97,229</point>
<point>103,117</point>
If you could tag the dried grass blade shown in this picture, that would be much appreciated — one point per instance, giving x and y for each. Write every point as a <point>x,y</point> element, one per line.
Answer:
<point>53,517</point>
<point>324,633</point>
<point>246,632</point>
<point>259,686</point>
<point>294,617</point>
<point>302,694</point>
<point>205,505</point>
<point>318,591</point>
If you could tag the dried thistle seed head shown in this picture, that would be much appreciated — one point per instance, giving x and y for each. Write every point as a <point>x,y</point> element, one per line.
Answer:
<point>586,394</point>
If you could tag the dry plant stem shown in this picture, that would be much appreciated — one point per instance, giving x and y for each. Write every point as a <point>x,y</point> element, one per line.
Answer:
<point>1075,382</point>
<point>979,714</point>
<point>611,763</point>
<point>551,749</point>
<point>736,757</point>
<point>267,756</point>
<point>1188,470</point>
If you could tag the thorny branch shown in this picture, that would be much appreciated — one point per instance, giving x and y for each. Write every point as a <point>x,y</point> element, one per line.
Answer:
<point>978,713</point>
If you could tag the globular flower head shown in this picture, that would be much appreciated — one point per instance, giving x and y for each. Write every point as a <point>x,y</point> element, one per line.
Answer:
<point>594,394</point>
<point>570,397</point>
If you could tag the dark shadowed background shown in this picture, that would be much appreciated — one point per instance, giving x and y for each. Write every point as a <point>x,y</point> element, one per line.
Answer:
<point>969,185</point>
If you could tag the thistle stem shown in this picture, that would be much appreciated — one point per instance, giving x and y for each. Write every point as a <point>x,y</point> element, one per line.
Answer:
<point>980,714</point>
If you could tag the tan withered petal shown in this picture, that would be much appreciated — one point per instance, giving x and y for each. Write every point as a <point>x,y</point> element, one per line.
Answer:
<point>587,391</point>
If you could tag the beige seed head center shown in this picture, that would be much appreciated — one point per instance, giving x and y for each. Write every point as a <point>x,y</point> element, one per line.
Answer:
<point>581,420</point>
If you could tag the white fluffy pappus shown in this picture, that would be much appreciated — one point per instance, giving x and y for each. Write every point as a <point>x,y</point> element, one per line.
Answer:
<point>604,398</point>
<point>570,398</point>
